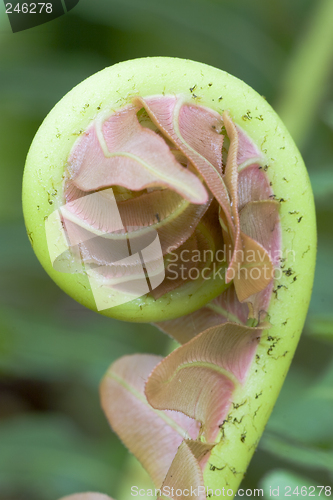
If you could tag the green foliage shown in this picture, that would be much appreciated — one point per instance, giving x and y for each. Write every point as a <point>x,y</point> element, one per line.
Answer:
<point>33,348</point>
<point>314,403</point>
<point>47,456</point>
<point>321,327</point>
<point>54,437</point>
<point>322,183</point>
<point>301,455</point>
<point>282,481</point>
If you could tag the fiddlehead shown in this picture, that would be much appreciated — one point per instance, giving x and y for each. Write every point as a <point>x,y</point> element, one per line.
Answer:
<point>192,155</point>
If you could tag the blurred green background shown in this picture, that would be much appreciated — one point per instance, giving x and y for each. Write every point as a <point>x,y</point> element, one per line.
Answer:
<point>54,438</point>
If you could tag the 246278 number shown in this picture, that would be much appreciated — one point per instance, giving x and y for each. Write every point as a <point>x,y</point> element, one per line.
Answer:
<point>29,8</point>
<point>311,491</point>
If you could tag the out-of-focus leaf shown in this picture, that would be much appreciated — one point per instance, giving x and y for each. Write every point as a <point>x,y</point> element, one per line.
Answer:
<point>278,483</point>
<point>323,390</point>
<point>15,138</point>
<point>4,21</point>
<point>47,80</point>
<point>304,86</point>
<point>320,327</point>
<point>327,114</point>
<point>16,251</point>
<point>217,25</point>
<point>307,417</point>
<point>322,185</point>
<point>44,348</point>
<point>293,452</point>
<point>322,297</point>
<point>24,285</point>
<point>48,457</point>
